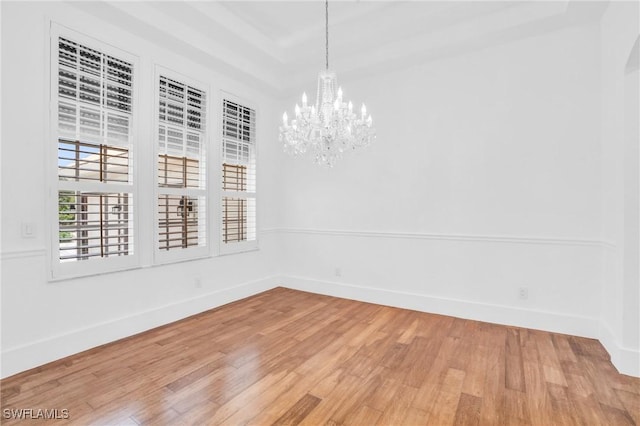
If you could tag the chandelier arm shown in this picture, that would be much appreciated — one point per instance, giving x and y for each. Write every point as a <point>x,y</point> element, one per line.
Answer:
<point>326,32</point>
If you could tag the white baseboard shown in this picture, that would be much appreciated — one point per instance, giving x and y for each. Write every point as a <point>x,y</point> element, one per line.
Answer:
<point>627,361</point>
<point>497,314</point>
<point>34,354</point>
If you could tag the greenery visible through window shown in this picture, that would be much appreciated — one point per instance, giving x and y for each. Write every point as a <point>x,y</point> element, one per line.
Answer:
<point>65,213</point>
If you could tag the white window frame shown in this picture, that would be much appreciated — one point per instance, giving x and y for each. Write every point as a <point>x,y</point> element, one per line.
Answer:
<point>197,252</point>
<point>241,246</point>
<point>64,270</point>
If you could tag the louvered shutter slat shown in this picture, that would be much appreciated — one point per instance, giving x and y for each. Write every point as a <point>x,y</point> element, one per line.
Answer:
<point>181,112</point>
<point>95,95</point>
<point>238,133</point>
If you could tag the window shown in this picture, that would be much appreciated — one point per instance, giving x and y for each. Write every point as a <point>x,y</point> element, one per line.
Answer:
<point>101,164</point>
<point>92,91</point>
<point>181,166</point>
<point>238,207</point>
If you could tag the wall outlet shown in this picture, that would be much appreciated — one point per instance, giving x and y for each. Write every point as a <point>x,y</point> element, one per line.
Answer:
<point>197,282</point>
<point>523,293</point>
<point>338,271</point>
<point>27,229</point>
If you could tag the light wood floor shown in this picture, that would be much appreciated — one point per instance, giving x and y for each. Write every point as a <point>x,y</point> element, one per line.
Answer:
<point>289,357</point>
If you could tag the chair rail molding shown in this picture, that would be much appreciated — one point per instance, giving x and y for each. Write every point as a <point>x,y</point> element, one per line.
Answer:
<point>450,237</point>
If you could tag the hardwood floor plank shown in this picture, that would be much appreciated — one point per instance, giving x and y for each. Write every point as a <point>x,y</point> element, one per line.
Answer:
<point>278,408</point>
<point>476,372</point>
<point>398,406</point>
<point>340,395</point>
<point>446,403</point>
<point>417,362</point>
<point>514,372</point>
<point>468,411</point>
<point>538,400</point>
<point>365,416</point>
<point>380,397</point>
<point>563,348</point>
<point>605,394</point>
<point>409,334</point>
<point>290,357</point>
<point>492,411</point>
<point>251,401</point>
<point>413,416</point>
<point>205,389</point>
<point>515,406</point>
<point>615,416</point>
<point>293,318</point>
<point>349,403</point>
<point>328,384</point>
<point>428,391</point>
<point>631,404</point>
<point>528,347</point>
<point>298,411</point>
<point>588,409</point>
<point>187,379</point>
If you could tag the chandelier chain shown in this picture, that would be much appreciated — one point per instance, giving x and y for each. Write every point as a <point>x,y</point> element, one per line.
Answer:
<point>326,32</point>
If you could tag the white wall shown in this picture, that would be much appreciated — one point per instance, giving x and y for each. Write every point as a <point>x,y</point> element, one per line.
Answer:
<point>43,321</point>
<point>485,177</point>
<point>502,141</point>
<point>620,294</point>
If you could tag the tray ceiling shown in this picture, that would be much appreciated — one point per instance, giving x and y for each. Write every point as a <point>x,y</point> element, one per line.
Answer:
<point>279,45</point>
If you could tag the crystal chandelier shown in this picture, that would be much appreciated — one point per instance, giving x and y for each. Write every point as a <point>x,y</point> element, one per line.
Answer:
<point>329,127</point>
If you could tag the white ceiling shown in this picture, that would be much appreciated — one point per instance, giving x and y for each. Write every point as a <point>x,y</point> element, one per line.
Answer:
<point>279,45</point>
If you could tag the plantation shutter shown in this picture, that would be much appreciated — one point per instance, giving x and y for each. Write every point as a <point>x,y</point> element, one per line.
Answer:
<point>94,95</point>
<point>93,99</point>
<point>182,196</point>
<point>181,116</point>
<point>238,174</point>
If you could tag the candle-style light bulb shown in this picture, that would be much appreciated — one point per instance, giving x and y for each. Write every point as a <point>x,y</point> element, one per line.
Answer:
<point>297,111</point>
<point>364,111</point>
<point>313,110</point>
<point>284,118</point>
<point>336,105</point>
<point>350,107</point>
<point>304,99</point>
<point>340,93</point>
<point>369,121</point>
